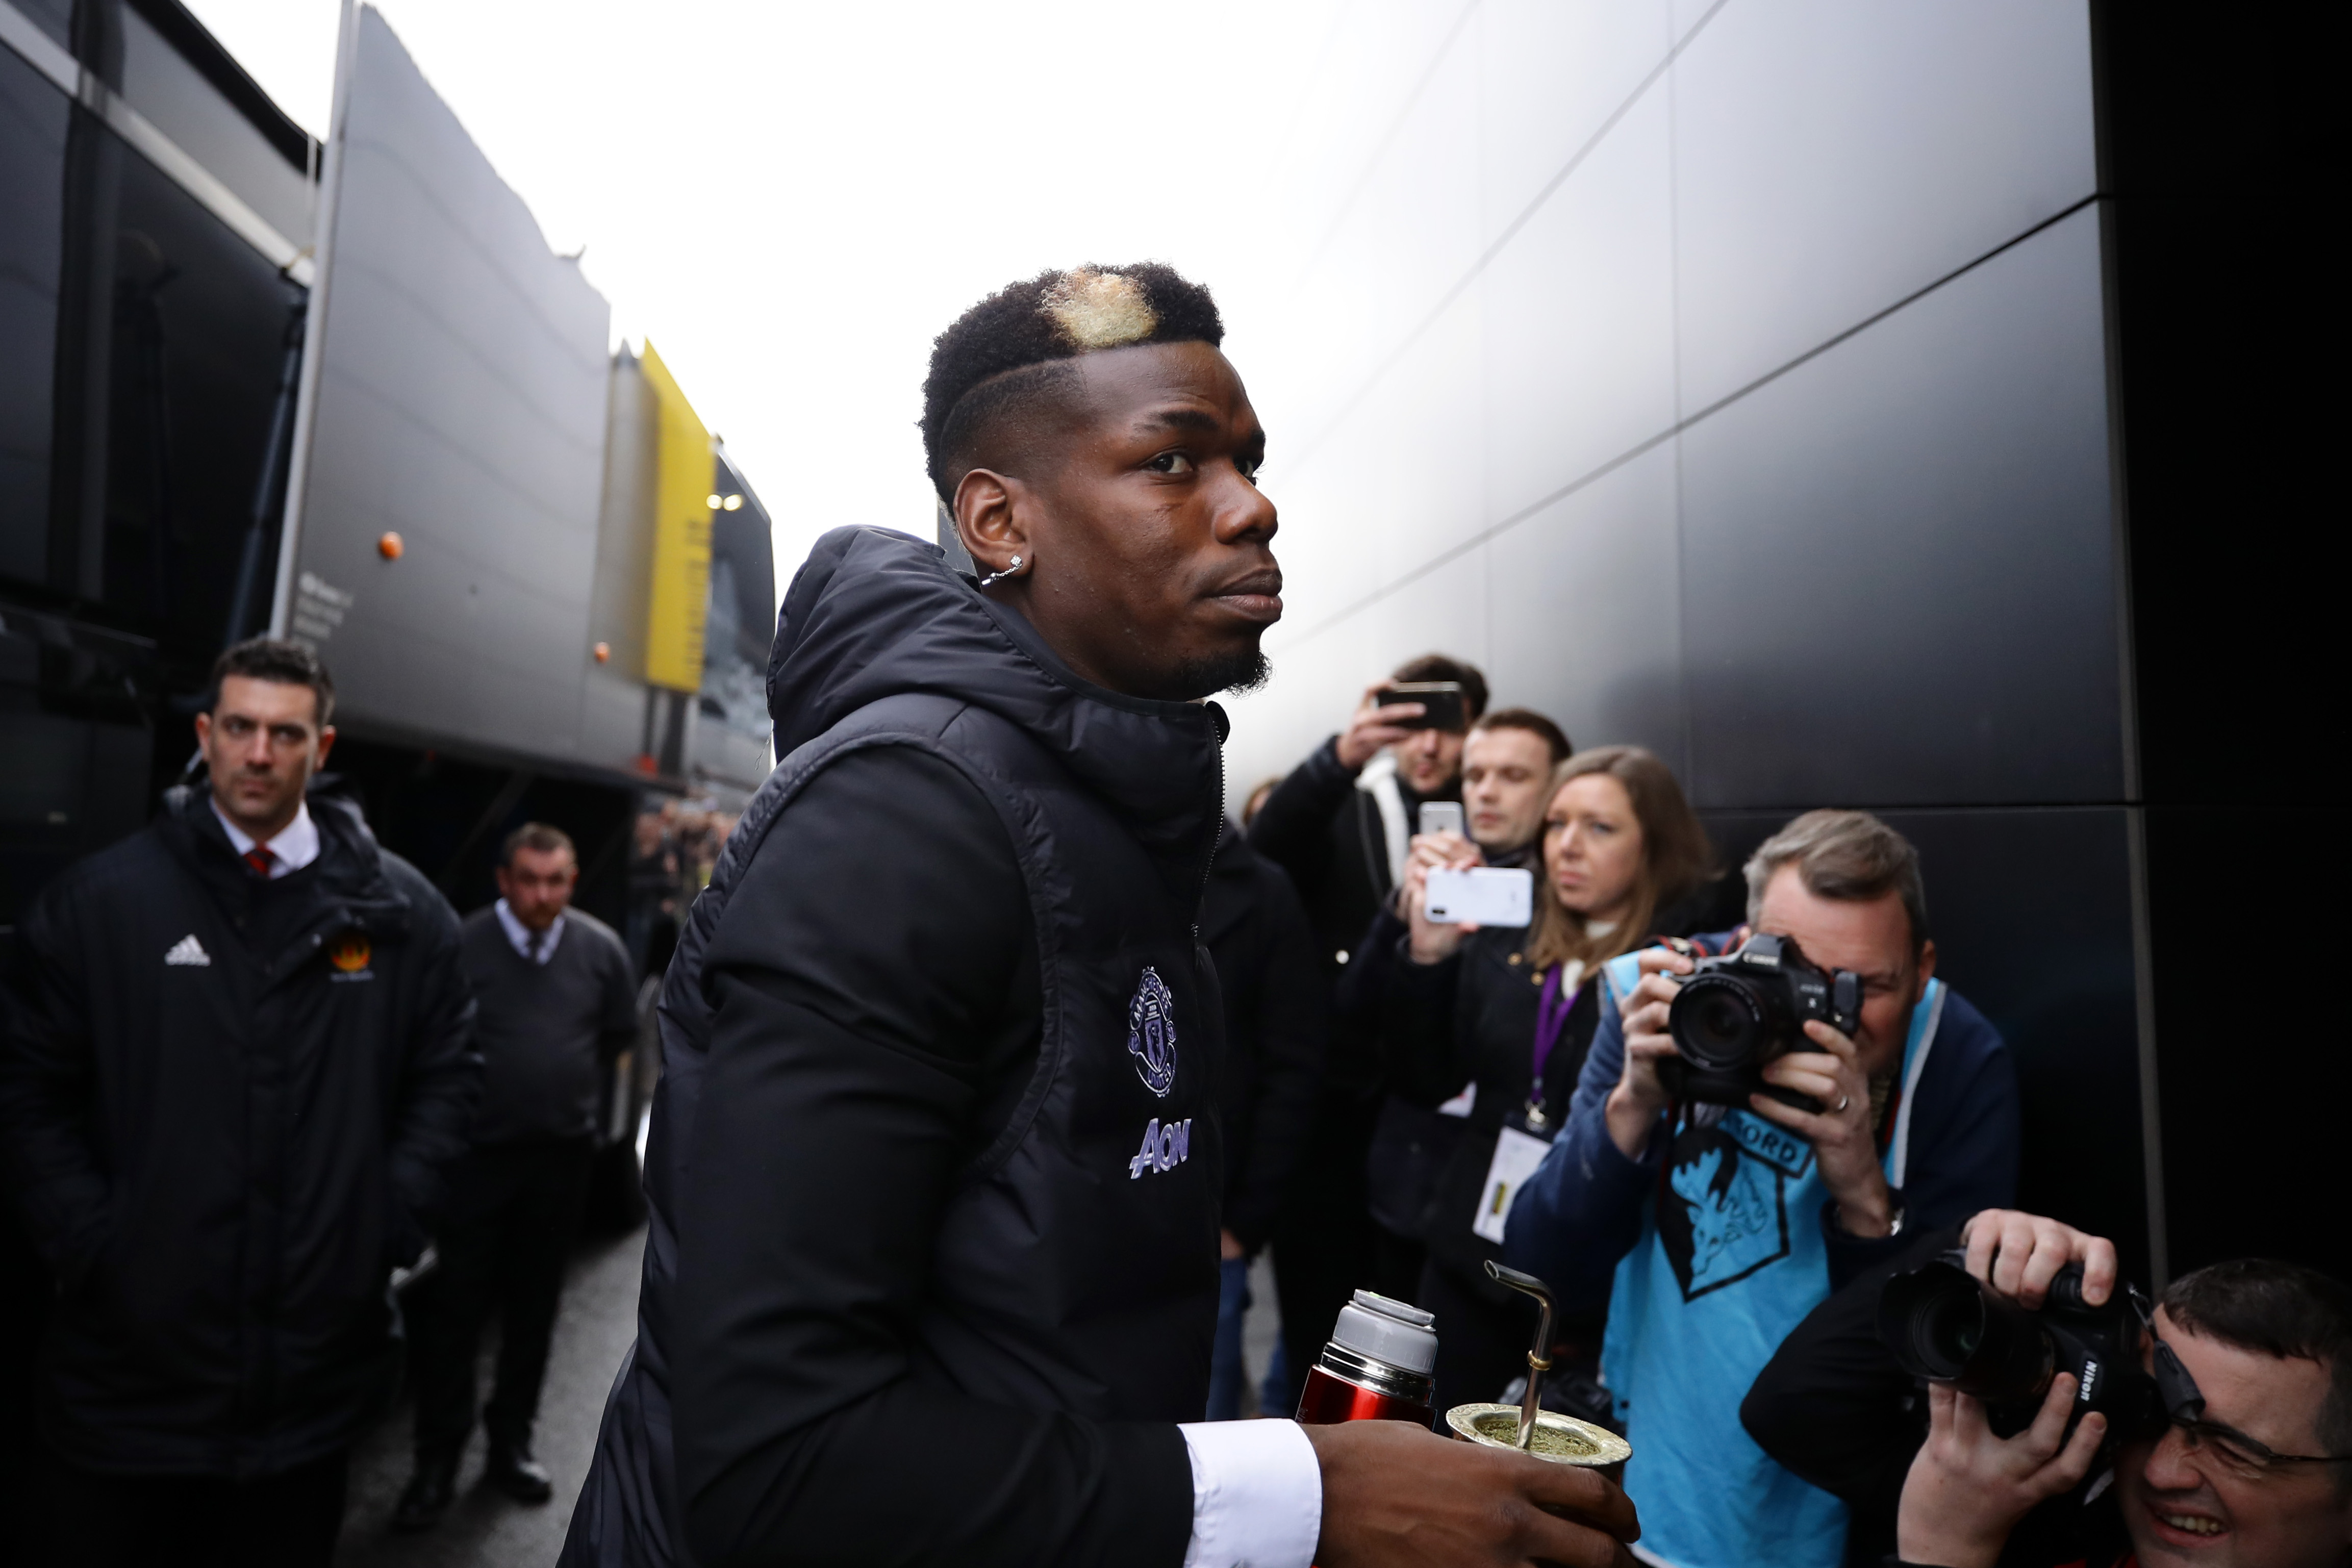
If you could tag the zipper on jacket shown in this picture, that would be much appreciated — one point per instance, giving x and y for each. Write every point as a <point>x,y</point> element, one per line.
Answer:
<point>1216,842</point>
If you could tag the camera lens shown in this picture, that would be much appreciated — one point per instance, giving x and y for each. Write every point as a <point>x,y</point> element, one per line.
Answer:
<point>1951,1327</point>
<point>1715,1022</point>
<point>1945,1327</point>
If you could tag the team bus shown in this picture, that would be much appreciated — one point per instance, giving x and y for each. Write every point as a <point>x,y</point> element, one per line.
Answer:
<point>343,392</point>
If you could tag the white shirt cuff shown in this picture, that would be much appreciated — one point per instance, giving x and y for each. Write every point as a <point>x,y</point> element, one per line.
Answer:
<point>1257,1495</point>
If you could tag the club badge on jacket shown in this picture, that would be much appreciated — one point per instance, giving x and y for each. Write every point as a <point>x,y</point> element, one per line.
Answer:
<point>349,955</point>
<point>1151,1033</point>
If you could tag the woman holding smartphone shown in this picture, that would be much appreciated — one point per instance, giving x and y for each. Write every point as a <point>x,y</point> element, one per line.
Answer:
<point>1513,1010</point>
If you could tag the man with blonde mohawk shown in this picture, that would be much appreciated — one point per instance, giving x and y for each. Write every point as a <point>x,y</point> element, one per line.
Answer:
<point>934,1170</point>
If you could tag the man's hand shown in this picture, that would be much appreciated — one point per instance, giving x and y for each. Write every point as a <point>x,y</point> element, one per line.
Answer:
<point>1229,1247</point>
<point>1840,1133</point>
<point>1395,1496</point>
<point>1636,1104</point>
<point>2019,1255</point>
<point>1371,729</point>
<point>1968,1488</point>
<point>1433,942</point>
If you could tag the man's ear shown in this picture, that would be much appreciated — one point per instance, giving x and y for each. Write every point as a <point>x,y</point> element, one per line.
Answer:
<point>988,519</point>
<point>326,744</point>
<point>1926,968</point>
<point>204,729</point>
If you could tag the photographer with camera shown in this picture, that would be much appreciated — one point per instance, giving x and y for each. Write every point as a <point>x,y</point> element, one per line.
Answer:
<point>2067,1424</point>
<point>2247,1462</point>
<point>1750,1132</point>
<point>1621,855</point>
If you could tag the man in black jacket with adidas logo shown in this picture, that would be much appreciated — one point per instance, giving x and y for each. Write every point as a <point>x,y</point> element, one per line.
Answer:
<point>934,1171</point>
<point>235,1069</point>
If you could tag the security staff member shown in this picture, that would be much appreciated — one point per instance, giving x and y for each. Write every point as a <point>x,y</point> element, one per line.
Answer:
<point>558,1005</point>
<point>236,1070</point>
<point>932,1276</point>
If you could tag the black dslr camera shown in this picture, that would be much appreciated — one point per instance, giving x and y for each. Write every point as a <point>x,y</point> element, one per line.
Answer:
<point>1944,1325</point>
<point>1737,1013</point>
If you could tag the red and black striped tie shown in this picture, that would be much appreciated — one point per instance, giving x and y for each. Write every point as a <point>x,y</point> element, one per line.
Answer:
<point>260,858</point>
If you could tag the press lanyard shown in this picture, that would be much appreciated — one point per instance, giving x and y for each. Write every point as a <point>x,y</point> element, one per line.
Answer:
<point>1552,1009</point>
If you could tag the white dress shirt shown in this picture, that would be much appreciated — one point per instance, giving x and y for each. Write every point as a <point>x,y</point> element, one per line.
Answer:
<point>295,846</point>
<point>1257,1495</point>
<point>520,934</point>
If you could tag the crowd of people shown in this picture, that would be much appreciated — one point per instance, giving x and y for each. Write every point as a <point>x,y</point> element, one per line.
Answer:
<point>1699,1253</point>
<point>994,1052</point>
<point>672,848</point>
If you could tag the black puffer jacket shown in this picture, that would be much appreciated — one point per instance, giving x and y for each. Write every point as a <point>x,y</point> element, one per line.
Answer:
<point>225,1109</point>
<point>934,1171</point>
<point>1276,1017</point>
<point>1472,1018</point>
<point>1328,834</point>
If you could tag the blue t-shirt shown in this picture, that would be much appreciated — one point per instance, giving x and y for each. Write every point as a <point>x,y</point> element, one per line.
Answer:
<point>1730,1261</point>
<point>1714,1240</point>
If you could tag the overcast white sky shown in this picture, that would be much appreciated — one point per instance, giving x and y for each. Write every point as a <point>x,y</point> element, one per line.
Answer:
<point>791,199</point>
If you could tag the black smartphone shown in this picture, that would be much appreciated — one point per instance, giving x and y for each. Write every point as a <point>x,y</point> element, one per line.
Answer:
<point>1441,703</point>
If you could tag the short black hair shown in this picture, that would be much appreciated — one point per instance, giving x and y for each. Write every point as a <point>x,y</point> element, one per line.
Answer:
<point>1554,737</point>
<point>274,659</point>
<point>540,838</point>
<point>1441,667</point>
<point>2283,1310</point>
<point>1036,326</point>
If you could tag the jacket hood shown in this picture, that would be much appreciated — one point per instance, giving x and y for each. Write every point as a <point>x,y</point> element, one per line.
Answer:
<point>874,613</point>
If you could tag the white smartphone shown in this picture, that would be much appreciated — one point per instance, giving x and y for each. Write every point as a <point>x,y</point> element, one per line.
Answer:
<point>1441,816</point>
<point>1483,895</point>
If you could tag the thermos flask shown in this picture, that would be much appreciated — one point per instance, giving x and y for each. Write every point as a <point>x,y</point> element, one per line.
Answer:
<point>1377,1366</point>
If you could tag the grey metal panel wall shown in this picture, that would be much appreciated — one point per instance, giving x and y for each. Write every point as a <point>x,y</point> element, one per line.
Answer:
<point>1731,378</point>
<point>461,403</point>
<point>613,708</point>
<point>1831,159</point>
<point>1898,579</point>
<point>161,84</point>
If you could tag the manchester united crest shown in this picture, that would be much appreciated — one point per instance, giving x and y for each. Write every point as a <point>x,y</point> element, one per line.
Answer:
<point>349,952</point>
<point>1151,1033</point>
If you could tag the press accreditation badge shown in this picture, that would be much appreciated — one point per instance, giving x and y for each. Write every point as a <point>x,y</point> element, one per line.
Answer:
<point>1517,1156</point>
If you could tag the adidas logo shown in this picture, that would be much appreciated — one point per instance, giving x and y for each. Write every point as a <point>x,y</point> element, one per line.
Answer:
<point>189,951</point>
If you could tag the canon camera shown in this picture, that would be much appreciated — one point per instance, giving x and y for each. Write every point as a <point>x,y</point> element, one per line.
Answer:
<point>1944,1325</point>
<point>1737,1012</point>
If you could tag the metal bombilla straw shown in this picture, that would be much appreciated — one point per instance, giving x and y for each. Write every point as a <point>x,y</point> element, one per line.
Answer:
<point>1538,1357</point>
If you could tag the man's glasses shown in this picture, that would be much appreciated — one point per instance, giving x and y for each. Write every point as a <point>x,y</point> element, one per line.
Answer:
<point>2245,1456</point>
<point>2184,1404</point>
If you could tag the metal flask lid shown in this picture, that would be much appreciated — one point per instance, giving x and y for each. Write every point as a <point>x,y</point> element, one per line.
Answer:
<point>1381,1329</point>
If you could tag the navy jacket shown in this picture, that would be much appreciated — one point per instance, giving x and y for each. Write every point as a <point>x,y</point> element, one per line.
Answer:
<point>227,1107</point>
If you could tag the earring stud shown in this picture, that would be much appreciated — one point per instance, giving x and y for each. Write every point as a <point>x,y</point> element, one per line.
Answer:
<point>996,576</point>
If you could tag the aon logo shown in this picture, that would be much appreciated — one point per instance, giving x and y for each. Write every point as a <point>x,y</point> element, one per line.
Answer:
<point>1164,1147</point>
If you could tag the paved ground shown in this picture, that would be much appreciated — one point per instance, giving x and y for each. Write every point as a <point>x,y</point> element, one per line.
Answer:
<point>598,1320</point>
<point>484,1530</point>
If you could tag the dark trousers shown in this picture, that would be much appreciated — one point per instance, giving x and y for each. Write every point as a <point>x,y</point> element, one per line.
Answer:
<point>287,1520</point>
<point>514,1212</point>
